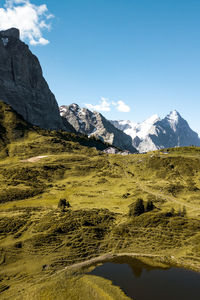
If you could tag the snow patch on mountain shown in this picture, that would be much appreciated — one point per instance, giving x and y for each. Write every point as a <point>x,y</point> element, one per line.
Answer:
<point>155,133</point>
<point>173,119</point>
<point>140,130</point>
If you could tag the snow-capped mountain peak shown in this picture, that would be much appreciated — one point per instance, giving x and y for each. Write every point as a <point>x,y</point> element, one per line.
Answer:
<point>152,134</point>
<point>155,133</point>
<point>137,129</point>
<point>174,116</point>
<point>173,119</point>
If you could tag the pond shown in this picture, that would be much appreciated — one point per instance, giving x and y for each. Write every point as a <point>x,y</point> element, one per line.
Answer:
<point>140,281</point>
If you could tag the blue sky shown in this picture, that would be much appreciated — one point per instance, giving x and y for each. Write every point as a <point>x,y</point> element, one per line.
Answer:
<point>144,53</point>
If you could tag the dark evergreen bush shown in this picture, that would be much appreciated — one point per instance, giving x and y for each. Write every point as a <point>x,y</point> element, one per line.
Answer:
<point>137,208</point>
<point>149,206</point>
<point>63,203</point>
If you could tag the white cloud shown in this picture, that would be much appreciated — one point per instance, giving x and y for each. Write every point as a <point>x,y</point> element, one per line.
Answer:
<point>29,18</point>
<point>121,106</point>
<point>41,41</point>
<point>106,105</point>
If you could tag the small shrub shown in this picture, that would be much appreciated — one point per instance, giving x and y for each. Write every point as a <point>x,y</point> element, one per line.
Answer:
<point>137,208</point>
<point>149,206</point>
<point>171,213</point>
<point>63,203</point>
<point>183,213</point>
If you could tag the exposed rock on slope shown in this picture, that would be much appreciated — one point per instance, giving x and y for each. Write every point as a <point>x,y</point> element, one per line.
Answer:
<point>94,124</point>
<point>68,126</point>
<point>22,84</point>
<point>155,133</point>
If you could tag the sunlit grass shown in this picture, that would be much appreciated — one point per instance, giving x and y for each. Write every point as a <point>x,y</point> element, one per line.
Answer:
<point>34,233</point>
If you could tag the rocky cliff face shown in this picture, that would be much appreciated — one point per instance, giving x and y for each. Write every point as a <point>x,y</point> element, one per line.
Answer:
<point>22,84</point>
<point>156,133</point>
<point>173,131</point>
<point>94,124</point>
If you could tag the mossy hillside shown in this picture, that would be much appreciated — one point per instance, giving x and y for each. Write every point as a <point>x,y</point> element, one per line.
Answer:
<point>37,240</point>
<point>41,242</point>
<point>73,287</point>
<point>49,142</point>
<point>90,180</point>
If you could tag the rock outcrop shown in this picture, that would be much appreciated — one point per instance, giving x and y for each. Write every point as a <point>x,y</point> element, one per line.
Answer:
<point>22,84</point>
<point>94,124</point>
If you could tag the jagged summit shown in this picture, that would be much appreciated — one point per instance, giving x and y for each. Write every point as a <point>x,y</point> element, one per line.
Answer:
<point>174,115</point>
<point>74,106</point>
<point>173,118</point>
<point>12,32</point>
<point>174,112</point>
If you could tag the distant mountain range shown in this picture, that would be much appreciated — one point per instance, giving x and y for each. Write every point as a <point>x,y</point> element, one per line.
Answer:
<point>152,134</point>
<point>155,133</point>
<point>94,124</point>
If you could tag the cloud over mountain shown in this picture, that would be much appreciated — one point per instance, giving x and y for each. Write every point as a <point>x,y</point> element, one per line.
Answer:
<point>106,105</point>
<point>29,18</point>
<point>122,107</point>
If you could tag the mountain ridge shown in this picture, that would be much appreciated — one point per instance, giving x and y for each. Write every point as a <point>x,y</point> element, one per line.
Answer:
<point>156,133</point>
<point>95,124</point>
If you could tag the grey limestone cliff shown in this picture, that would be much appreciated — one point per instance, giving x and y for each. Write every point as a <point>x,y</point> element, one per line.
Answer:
<point>22,84</point>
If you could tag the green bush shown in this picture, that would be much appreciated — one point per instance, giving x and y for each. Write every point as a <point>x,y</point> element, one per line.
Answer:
<point>63,203</point>
<point>137,208</point>
<point>149,206</point>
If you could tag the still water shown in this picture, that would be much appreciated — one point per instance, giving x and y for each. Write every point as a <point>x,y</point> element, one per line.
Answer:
<point>139,281</point>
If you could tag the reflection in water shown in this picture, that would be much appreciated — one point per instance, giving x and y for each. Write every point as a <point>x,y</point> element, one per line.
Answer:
<point>137,271</point>
<point>136,265</point>
<point>141,281</point>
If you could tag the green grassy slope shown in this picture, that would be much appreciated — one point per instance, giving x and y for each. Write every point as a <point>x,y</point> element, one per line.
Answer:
<point>37,240</point>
